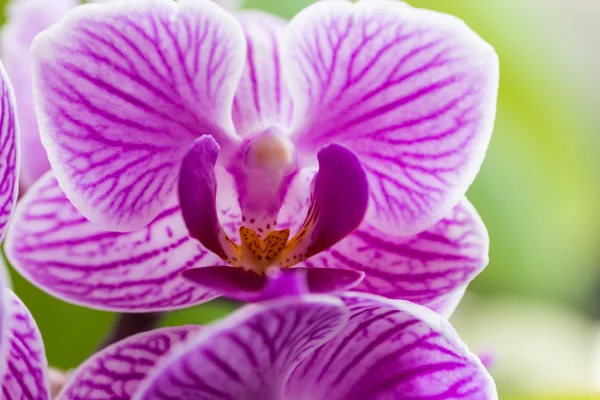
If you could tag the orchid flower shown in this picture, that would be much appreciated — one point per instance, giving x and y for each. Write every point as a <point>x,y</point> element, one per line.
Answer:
<point>298,346</point>
<point>168,119</point>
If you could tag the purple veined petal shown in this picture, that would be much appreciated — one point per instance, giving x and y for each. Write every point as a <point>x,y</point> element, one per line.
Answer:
<point>116,372</point>
<point>262,99</point>
<point>412,92</point>
<point>122,90</point>
<point>242,285</point>
<point>57,249</point>
<point>250,354</point>
<point>9,152</point>
<point>424,268</point>
<point>338,203</point>
<point>25,373</point>
<point>391,350</point>
<point>25,19</point>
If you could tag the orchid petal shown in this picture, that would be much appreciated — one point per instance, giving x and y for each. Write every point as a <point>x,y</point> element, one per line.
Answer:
<point>448,304</point>
<point>25,373</point>
<point>9,152</point>
<point>262,99</point>
<point>423,268</point>
<point>115,372</point>
<point>391,350</point>
<point>25,19</point>
<point>412,91</point>
<point>250,354</point>
<point>338,204</point>
<point>53,246</point>
<point>242,285</point>
<point>122,90</point>
<point>230,5</point>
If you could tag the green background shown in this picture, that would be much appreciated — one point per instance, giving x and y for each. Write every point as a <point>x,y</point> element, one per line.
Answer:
<point>537,192</point>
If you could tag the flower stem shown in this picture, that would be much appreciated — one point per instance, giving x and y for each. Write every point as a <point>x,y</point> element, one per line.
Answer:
<point>127,325</point>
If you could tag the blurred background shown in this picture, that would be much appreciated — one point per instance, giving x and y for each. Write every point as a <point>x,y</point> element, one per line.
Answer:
<point>535,311</point>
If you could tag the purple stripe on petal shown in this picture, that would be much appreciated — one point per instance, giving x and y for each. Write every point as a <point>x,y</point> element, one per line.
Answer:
<point>27,18</point>
<point>9,152</point>
<point>412,91</point>
<point>123,89</point>
<point>424,268</point>
<point>60,251</point>
<point>262,99</point>
<point>250,354</point>
<point>391,350</point>
<point>25,373</point>
<point>115,372</point>
<point>339,200</point>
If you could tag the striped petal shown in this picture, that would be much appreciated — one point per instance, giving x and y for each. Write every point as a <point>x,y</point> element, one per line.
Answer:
<point>424,268</point>
<point>25,19</point>
<point>250,354</point>
<point>25,369</point>
<point>53,246</point>
<point>123,89</point>
<point>412,92</point>
<point>391,350</point>
<point>116,372</point>
<point>9,152</point>
<point>262,99</point>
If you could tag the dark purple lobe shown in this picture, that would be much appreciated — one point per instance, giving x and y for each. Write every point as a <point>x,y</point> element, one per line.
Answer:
<point>340,195</point>
<point>242,285</point>
<point>198,193</point>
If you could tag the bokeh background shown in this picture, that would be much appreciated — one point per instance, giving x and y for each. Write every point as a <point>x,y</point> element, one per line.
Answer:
<point>535,310</point>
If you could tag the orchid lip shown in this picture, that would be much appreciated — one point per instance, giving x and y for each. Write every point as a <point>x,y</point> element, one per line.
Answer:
<point>338,201</point>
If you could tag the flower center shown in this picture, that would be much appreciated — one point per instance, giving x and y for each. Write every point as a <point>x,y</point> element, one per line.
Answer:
<point>276,249</point>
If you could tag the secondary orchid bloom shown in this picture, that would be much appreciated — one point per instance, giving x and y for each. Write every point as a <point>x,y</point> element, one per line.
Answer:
<point>23,365</point>
<point>158,98</point>
<point>25,19</point>
<point>23,368</point>
<point>351,347</point>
